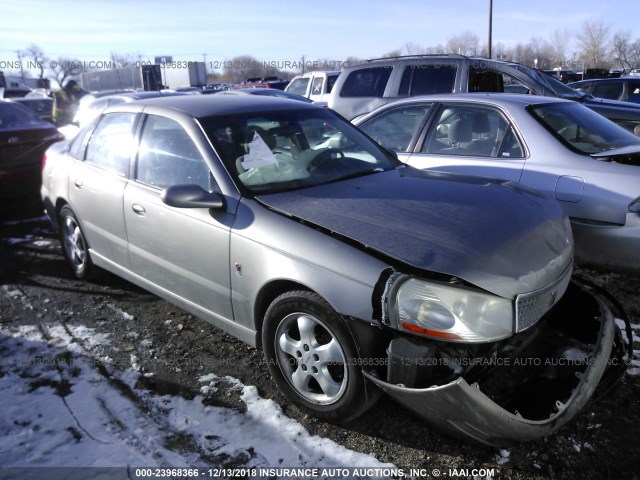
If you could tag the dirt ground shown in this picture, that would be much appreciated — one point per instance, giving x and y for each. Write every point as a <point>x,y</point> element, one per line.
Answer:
<point>603,442</point>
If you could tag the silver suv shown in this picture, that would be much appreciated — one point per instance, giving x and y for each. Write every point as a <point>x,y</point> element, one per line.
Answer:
<point>364,87</point>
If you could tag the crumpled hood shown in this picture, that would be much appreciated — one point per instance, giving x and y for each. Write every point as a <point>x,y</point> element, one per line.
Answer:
<point>497,235</point>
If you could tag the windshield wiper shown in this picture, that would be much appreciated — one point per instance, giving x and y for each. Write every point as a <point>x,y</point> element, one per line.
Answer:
<point>361,173</point>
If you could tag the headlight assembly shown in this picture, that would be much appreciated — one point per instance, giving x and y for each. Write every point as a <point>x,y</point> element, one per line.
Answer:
<point>450,313</point>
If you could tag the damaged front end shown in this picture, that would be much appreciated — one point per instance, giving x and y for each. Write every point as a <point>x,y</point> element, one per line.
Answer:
<point>514,389</point>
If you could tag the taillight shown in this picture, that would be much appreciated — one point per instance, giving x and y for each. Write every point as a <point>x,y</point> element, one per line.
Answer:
<point>44,160</point>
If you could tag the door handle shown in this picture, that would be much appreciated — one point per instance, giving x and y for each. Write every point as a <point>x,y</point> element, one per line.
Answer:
<point>138,209</point>
<point>78,183</point>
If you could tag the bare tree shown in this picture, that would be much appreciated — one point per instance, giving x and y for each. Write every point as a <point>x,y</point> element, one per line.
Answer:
<point>122,60</point>
<point>464,44</point>
<point>37,59</point>
<point>522,53</point>
<point>411,48</point>
<point>594,44</point>
<point>243,67</point>
<point>542,52</point>
<point>240,68</point>
<point>500,51</point>
<point>349,61</point>
<point>559,47</point>
<point>435,50</point>
<point>64,68</point>
<point>625,51</point>
<point>393,53</point>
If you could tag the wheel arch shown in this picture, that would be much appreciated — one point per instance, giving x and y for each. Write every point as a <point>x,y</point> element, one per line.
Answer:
<point>267,294</point>
<point>60,203</point>
<point>367,339</point>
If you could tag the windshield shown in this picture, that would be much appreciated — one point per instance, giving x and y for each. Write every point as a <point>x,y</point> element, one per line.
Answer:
<point>285,150</point>
<point>551,83</point>
<point>559,88</point>
<point>581,129</point>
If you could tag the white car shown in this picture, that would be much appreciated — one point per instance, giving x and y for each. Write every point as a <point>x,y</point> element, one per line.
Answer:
<point>316,86</point>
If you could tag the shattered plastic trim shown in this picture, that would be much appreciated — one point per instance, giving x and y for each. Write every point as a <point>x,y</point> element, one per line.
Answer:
<point>463,410</point>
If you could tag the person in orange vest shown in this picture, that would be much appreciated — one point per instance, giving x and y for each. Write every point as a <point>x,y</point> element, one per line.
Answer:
<point>65,103</point>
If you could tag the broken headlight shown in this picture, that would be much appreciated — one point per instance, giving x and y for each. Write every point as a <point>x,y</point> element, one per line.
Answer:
<point>450,313</point>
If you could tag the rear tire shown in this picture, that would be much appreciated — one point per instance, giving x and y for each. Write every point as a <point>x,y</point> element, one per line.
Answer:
<point>312,357</point>
<point>74,245</point>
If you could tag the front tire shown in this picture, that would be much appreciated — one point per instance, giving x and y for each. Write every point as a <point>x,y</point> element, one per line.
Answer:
<point>74,245</point>
<point>312,357</point>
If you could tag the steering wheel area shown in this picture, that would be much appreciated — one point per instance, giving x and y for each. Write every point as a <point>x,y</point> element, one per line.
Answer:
<point>325,161</point>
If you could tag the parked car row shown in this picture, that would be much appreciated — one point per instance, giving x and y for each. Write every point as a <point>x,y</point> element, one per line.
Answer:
<point>362,88</point>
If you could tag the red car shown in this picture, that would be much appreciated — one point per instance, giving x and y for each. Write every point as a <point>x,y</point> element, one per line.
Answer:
<point>24,137</point>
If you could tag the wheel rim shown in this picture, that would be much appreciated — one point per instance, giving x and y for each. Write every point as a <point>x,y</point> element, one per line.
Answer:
<point>74,243</point>
<point>311,358</point>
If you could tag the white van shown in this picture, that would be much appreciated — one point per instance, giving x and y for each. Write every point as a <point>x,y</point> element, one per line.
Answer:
<point>315,86</point>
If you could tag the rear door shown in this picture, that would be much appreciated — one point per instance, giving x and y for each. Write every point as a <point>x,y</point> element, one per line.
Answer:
<point>97,184</point>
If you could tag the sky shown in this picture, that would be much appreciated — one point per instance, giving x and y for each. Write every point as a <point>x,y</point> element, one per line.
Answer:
<point>283,30</point>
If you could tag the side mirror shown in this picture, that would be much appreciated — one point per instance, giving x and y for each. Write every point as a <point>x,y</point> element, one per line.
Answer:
<point>191,196</point>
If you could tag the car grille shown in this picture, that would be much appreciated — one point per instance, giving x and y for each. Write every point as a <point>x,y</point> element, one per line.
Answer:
<point>531,306</point>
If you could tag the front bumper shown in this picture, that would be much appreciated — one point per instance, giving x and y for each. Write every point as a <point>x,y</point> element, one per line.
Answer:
<point>462,409</point>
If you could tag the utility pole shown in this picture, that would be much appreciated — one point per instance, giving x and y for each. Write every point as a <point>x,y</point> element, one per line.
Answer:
<point>490,27</point>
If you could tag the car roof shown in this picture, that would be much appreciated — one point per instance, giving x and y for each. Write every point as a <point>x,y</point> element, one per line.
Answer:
<point>317,72</point>
<point>601,80</point>
<point>143,95</point>
<point>497,98</point>
<point>275,92</point>
<point>200,106</point>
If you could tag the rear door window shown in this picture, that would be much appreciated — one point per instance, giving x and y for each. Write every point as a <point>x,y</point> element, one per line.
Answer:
<point>366,82</point>
<point>467,130</point>
<point>634,91</point>
<point>610,90</point>
<point>425,79</point>
<point>111,145</point>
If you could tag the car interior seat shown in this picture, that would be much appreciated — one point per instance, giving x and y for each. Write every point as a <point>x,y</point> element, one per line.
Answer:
<point>460,134</point>
<point>483,144</point>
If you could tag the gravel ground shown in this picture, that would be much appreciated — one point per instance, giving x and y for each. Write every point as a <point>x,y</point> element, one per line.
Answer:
<point>603,442</point>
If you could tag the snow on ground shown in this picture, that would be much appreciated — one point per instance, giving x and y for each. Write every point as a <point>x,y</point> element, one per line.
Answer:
<point>63,404</point>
